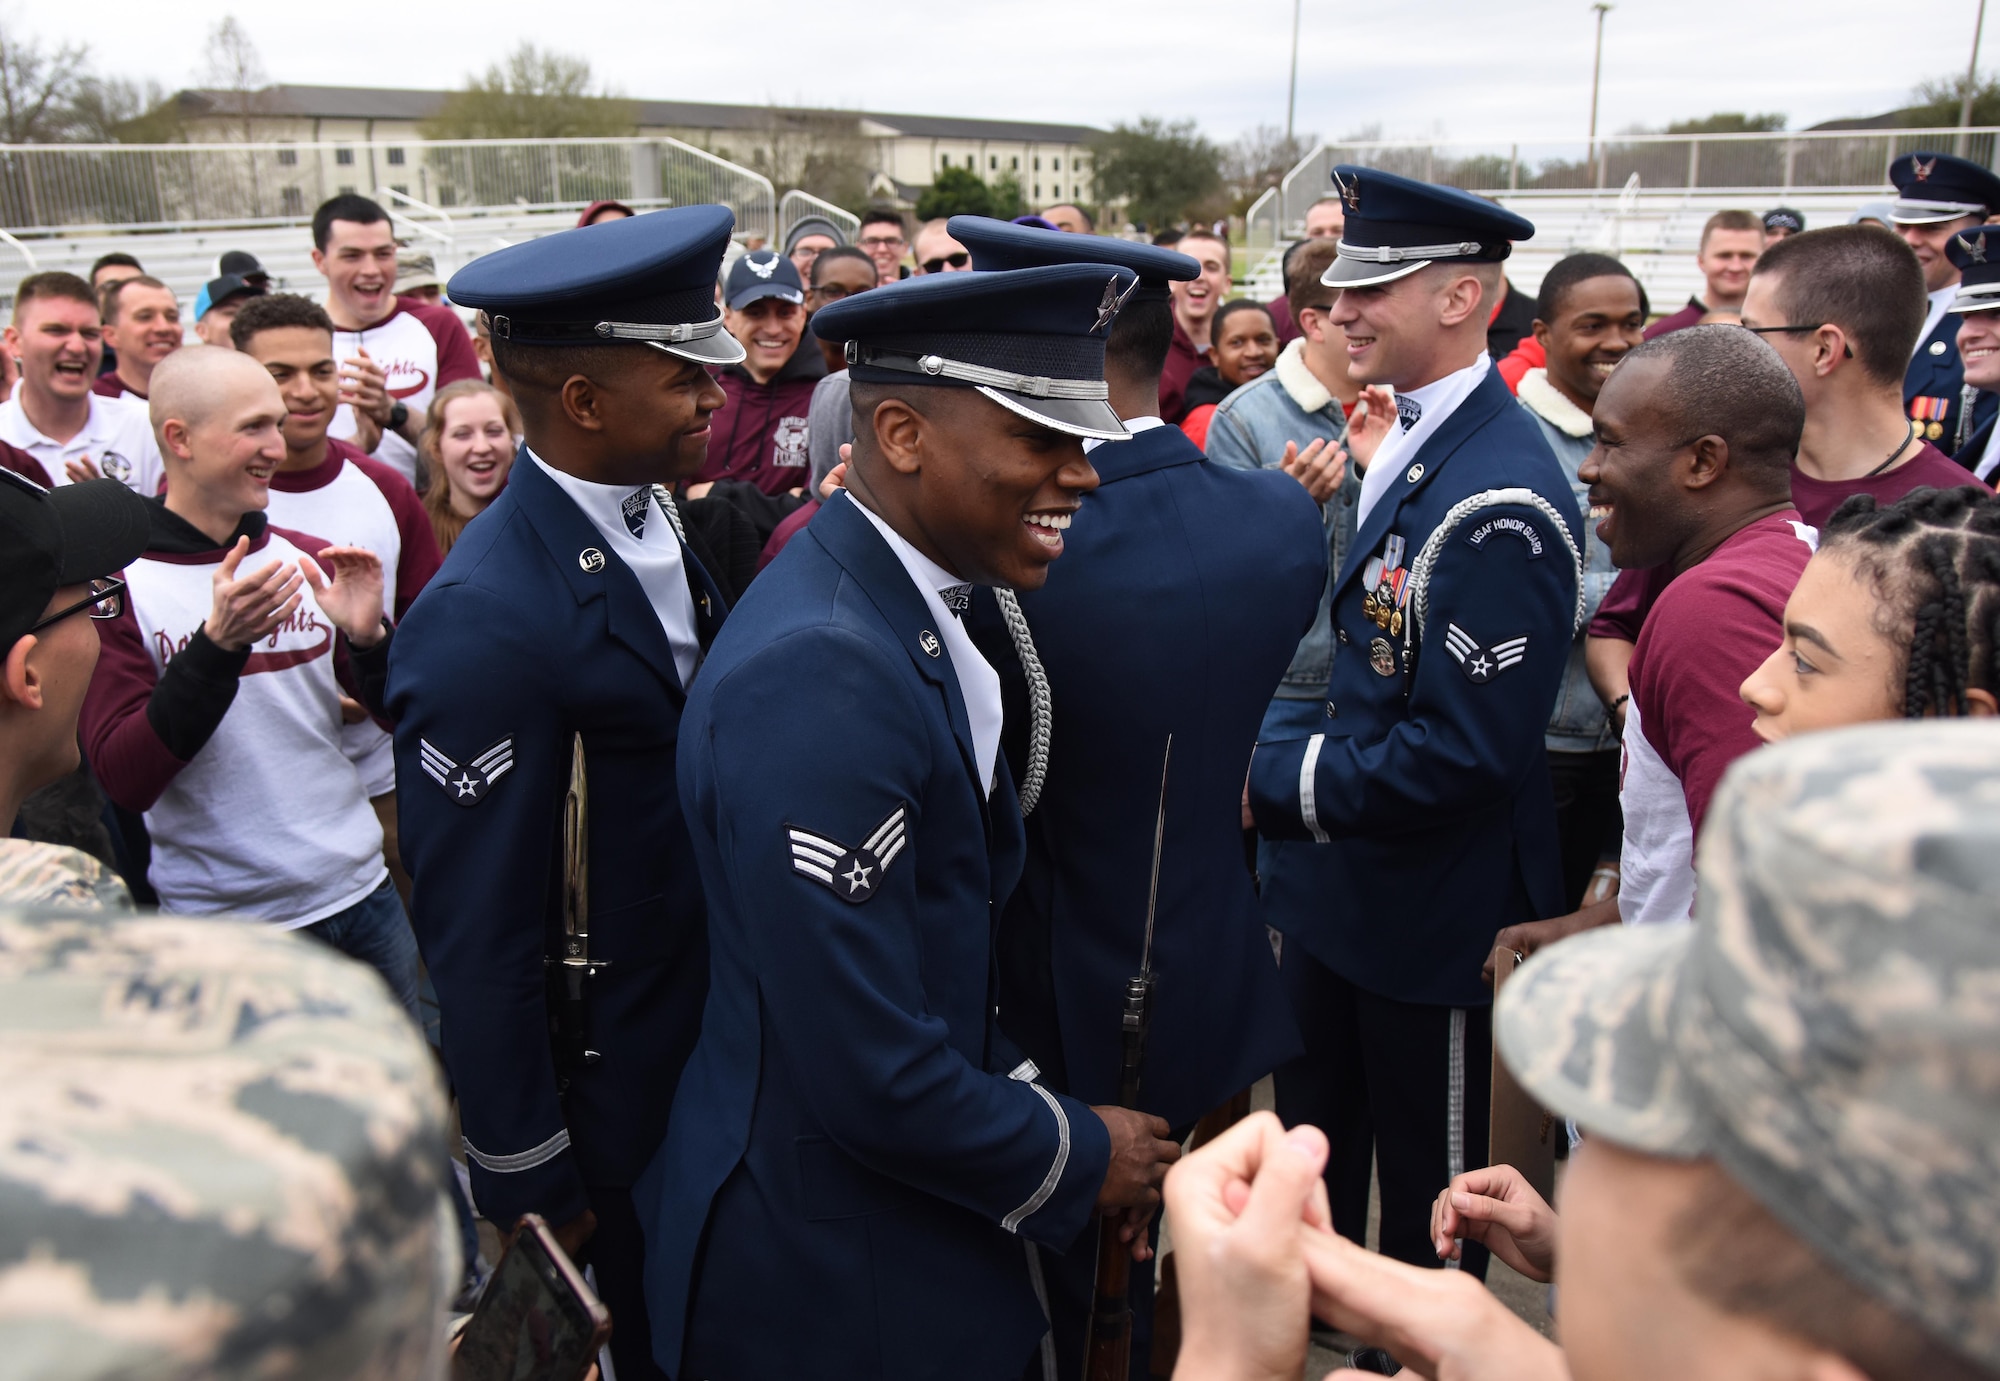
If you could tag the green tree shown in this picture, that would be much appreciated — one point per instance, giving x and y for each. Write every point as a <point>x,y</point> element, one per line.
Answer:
<point>1005,192</point>
<point>956,192</point>
<point>1730,122</point>
<point>1163,172</point>
<point>1938,101</point>
<point>536,93</point>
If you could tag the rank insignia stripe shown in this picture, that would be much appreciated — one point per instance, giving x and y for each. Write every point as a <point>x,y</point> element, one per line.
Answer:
<point>467,783</point>
<point>852,874</point>
<point>1482,664</point>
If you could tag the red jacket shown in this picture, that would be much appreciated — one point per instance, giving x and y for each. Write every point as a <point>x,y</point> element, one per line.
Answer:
<point>759,435</point>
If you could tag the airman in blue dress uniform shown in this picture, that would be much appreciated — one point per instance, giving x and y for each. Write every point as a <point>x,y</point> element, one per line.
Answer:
<point>1938,197</point>
<point>1183,590</point>
<point>1977,255</point>
<point>857,1156</point>
<point>1427,790</point>
<point>569,621</point>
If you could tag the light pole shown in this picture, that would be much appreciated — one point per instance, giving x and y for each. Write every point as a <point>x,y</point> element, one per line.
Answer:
<point>1292,98</point>
<point>1971,81</point>
<point>1596,71</point>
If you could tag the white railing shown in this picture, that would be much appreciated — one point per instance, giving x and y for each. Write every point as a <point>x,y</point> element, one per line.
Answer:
<point>794,206</point>
<point>1770,164</point>
<point>49,188</point>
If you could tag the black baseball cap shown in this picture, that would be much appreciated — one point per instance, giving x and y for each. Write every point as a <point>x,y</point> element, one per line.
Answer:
<point>244,265</point>
<point>50,538</point>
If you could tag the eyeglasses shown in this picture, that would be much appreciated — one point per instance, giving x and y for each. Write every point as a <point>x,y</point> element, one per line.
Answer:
<point>882,242</point>
<point>107,601</point>
<point>957,261</point>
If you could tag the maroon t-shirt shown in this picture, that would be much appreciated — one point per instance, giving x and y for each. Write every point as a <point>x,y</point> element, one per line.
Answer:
<point>111,386</point>
<point>1816,499</point>
<point>1183,359</point>
<point>1689,315</point>
<point>1625,605</point>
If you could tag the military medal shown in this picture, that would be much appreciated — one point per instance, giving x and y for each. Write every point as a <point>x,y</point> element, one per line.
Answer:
<point>1381,657</point>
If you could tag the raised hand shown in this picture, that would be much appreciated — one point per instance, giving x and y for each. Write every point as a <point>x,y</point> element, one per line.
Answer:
<point>253,607</point>
<point>1370,423</point>
<point>1320,467</point>
<point>364,387</point>
<point>353,597</point>
<point>1499,1208</point>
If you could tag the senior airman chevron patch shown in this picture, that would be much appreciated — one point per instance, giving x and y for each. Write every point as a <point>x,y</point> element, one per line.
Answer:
<point>853,874</point>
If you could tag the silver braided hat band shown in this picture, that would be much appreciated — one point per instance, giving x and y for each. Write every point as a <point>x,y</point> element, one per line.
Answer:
<point>680,333</point>
<point>938,367</point>
<point>1397,254</point>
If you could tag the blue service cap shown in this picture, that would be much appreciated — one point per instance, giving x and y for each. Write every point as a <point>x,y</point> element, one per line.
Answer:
<point>644,280</point>
<point>1977,254</point>
<point>1032,340</point>
<point>1933,187</point>
<point>1004,245</point>
<point>1396,225</point>
<point>762,273</point>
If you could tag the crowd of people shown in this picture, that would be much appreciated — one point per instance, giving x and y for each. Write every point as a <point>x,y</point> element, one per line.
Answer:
<point>757,708</point>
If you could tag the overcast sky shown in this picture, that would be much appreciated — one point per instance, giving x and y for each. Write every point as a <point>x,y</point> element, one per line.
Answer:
<point>1434,68</point>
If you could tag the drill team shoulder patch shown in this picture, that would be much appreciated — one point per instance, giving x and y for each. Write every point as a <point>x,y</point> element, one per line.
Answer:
<point>852,874</point>
<point>1482,664</point>
<point>466,782</point>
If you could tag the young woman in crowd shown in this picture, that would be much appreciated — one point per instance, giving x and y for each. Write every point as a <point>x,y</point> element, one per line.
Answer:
<point>1244,345</point>
<point>470,435</point>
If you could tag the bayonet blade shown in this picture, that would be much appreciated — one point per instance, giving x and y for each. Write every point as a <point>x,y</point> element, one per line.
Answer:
<point>576,863</point>
<point>1159,843</point>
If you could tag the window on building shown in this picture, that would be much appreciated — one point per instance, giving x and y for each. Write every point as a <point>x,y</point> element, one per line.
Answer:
<point>395,158</point>
<point>1057,165</point>
<point>294,199</point>
<point>970,162</point>
<point>346,189</point>
<point>993,163</point>
<point>288,158</point>
<point>1017,163</point>
<point>344,157</point>
<point>1038,165</point>
<point>401,189</point>
<point>1038,191</point>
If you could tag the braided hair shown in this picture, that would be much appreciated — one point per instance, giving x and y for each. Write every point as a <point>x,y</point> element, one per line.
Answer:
<point>1933,560</point>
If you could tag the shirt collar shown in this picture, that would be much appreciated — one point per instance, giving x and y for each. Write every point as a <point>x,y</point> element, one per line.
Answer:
<point>599,502</point>
<point>924,573</point>
<point>1133,426</point>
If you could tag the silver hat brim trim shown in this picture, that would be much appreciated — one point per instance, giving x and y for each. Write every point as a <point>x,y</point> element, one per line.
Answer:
<point>721,348</point>
<point>1931,212</point>
<point>1089,418</point>
<point>1962,305</point>
<point>1356,273</point>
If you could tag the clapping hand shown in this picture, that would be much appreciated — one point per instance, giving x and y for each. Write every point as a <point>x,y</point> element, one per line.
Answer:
<point>1320,467</point>
<point>353,597</point>
<point>1370,422</point>
<point>253,607</point>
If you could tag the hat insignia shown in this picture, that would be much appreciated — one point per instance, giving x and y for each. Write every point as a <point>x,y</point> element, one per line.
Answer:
<point>1350,191</point>
<point>1921,170</point>
<point>1107,307</point>
<point>1975,249</point>
<point>763,269</point>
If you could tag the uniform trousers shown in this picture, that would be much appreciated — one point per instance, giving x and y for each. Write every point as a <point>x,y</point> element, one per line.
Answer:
<point>1401,1087</point>
<point>616,1255</point>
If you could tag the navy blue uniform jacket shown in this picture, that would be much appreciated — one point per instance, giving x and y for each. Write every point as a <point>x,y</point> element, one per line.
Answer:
<point>1941,375</point>
<point>853,1144</point>
<point>515,643</point>
<point>1429,793</point>
<point>1181,593</point>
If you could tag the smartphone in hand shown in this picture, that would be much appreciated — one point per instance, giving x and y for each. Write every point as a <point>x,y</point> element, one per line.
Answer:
<point>537,1321</point>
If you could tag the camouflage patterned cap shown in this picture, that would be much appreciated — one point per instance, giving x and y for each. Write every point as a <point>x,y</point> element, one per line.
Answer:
<point>1829,1028</point>
<point>222,1155</point>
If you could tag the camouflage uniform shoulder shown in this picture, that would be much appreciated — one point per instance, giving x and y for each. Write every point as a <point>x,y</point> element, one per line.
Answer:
<point>33,875</point>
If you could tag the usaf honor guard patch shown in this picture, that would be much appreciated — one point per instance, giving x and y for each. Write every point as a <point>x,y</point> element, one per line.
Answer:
<point>1482,664</point>
<point>850,874</point>
<point>467,783</point>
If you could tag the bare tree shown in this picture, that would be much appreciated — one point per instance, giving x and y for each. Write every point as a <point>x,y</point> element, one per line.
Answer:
<point>233,70</point>
<point>37,87</point>
<point>818,151</point>
<point>537,93</point>
<point>1259,160</point>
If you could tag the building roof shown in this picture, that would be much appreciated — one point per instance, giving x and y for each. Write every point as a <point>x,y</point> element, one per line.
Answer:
<point>391,103</point>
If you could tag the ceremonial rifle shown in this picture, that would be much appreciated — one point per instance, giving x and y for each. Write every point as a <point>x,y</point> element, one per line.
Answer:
<point>1108,1346</point>
<point>567,974</point>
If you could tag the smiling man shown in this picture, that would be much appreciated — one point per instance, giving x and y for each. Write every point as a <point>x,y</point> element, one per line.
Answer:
<point>1939,197</point>
<point>1730,244</point>
<point>1195,302</point>
<point>854,1136</point>
<point>1977,307</point>
<point>557,645</point>
<point>762,431</point>
<point>142,323</point>
<point>71,431</point>
<point>1423,795</point>
<point>394,352</point>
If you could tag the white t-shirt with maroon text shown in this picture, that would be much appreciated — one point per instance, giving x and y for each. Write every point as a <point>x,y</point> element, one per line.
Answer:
<point>420,349</point>
<point>117,439</point>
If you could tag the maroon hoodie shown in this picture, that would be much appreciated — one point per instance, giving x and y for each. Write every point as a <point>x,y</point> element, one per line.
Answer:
<point>759,435</point>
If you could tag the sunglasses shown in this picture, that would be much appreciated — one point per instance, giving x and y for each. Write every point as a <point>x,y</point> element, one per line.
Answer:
<point>957,261</point>
<point>106,601</point>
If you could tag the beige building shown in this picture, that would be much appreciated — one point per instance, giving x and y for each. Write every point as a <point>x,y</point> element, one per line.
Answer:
<point>897,155</point>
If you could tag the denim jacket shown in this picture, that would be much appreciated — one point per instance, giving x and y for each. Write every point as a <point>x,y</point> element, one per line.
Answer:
<point>1248,432</point>
<point>1579,723</point>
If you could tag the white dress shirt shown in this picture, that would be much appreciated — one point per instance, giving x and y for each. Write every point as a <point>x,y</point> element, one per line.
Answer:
<point>977,681</point>
<point>1133,425</point>
<point>654,556</point>
<point>1438,400</point>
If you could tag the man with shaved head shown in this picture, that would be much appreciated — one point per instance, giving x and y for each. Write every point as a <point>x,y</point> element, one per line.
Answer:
<point>1691,477</point>
<point>215,710</point>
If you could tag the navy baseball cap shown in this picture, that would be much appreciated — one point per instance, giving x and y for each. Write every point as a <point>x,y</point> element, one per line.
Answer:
<point>1933,187</point>
<point>1396,225</point>
<point>762,273</point>
<point>643,280</point>
<point>1977,254</point>
<point>50,538</point>
<point>1032,340</point>
<point>1005,245</point>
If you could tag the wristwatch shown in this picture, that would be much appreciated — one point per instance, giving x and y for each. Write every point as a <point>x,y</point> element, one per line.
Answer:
<point>399,413</point>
